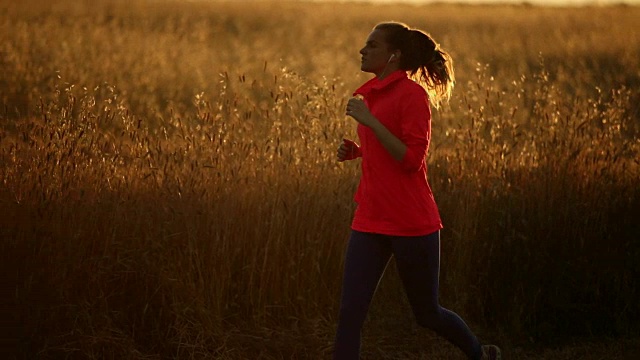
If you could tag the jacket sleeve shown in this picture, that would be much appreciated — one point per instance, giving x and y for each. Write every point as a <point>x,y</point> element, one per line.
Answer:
<point>415,118</point>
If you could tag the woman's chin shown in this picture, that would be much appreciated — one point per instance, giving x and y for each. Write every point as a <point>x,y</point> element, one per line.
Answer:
<point>366,69</point>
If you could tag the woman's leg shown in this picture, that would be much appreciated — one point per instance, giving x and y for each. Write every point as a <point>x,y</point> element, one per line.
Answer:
<point>367,257</point>
<point>418,262</point>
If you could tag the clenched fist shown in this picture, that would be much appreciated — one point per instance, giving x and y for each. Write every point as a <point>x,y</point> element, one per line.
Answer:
<point>348,150</point>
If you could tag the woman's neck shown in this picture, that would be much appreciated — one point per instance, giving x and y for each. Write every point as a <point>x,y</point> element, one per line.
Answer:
<point>388,69</point>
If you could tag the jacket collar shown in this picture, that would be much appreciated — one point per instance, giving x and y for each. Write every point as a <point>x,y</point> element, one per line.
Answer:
<point>376,85</point>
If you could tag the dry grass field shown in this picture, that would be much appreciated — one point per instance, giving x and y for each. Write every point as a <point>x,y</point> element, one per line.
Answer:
<point>168,187</point>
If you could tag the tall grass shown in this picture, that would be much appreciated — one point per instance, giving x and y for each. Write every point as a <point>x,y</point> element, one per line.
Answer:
<point>169,186</point>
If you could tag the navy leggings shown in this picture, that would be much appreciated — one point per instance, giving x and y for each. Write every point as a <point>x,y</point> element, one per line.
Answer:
<point>418,262</point>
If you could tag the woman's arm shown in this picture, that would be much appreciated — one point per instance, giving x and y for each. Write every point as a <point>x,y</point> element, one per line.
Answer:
<point>394,146</point>
<point>357,109</point>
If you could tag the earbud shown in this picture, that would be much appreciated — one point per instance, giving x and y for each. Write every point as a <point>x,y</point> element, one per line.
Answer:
<point>391,57</point>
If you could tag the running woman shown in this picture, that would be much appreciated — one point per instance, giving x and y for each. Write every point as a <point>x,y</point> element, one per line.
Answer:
<point>396,213</point>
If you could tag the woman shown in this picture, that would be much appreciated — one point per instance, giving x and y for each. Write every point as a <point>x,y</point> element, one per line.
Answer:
<point>396,213</point>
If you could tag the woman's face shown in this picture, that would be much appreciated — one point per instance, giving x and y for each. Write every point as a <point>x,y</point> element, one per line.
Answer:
<point>375,54</point>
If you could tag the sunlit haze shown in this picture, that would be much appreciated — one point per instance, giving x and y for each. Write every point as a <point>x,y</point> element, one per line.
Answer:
<point>535,2</point>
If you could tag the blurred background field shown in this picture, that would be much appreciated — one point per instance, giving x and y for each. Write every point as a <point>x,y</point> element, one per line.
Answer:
<point>169,188</point>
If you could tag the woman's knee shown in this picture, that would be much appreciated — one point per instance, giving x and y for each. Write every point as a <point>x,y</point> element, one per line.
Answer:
<point>429,317</point>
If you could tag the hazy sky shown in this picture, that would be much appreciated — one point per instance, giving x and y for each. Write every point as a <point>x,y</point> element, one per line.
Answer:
<point>549,2</point>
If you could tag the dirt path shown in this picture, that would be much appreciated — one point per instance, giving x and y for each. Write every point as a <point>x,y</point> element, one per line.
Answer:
<point>436,349</point>
<point>595,350</point>
<point>417,346</point>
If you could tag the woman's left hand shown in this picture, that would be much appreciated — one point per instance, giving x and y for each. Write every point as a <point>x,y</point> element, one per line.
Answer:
<point>357,109</point>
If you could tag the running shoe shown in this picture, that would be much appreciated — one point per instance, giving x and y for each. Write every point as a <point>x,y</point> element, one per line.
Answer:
<point>490,352</point>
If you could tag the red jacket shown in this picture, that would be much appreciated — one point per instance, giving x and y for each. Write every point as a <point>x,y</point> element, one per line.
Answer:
<point>394,197</point>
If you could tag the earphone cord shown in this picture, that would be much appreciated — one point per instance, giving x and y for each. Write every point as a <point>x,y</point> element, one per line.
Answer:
<point>384,74</point>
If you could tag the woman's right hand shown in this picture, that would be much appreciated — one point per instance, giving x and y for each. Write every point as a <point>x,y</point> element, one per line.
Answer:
<point>348,150</point>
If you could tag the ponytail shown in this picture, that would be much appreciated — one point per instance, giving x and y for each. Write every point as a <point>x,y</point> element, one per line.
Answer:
<point>423,59</point>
